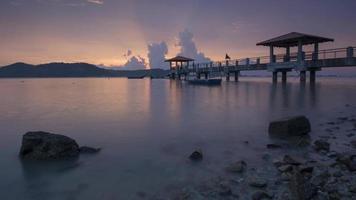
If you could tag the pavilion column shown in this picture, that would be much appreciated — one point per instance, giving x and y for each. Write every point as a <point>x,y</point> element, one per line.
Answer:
<point>300,51</point>
<point>287,59</point>
<point>271,54</point>
<point>316,51</point>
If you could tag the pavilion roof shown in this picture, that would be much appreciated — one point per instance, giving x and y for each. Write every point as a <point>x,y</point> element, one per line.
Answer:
<point>292,39</point>
<point>179,59</point>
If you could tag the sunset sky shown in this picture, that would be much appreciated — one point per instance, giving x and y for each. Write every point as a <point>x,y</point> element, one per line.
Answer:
<point>102,31</point>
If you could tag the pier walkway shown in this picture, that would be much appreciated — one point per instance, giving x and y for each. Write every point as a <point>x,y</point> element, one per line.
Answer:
<point>301,61</point>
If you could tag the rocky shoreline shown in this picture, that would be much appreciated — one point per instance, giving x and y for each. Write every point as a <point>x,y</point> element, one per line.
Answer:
<point>323,166</point>
<point>323,169</point>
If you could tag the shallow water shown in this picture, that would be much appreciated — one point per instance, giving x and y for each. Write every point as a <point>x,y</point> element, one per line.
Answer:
<point>147,129</point>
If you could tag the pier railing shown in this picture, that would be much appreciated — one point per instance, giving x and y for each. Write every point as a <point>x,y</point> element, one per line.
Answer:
<point>255,62</point>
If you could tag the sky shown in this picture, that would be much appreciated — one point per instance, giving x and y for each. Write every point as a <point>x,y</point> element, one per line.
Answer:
<point>140,33</point>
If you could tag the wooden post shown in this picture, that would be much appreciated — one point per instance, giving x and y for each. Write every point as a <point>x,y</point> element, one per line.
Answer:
<point>275,77</point>
<point>312,76</point>
<point>284,76</point>
<point>237,76</point>
<point>228,76</point>
<point>350,52</point>
<point>287,54</point>
<point>206,75</point>
<point>303,76</point>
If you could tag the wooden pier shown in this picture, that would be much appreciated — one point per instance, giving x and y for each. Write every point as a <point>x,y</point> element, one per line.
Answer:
<point>300,61</point>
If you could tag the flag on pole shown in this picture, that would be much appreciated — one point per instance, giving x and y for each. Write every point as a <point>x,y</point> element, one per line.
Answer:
<point>227,57</point>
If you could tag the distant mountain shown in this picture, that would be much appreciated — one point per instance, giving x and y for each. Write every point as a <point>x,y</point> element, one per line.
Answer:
<point>18,70</point>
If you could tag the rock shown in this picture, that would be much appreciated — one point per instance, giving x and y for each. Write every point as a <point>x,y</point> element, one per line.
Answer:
<point>273,146</point>
<point>260,195</point>
<point>305,169</point>
<point>89,150</point>
<point>224,189</point>
<point>300,187</point>
<point>321,178</point>
<point>293,126</point>
<point>285,168</point>
<point>287,159</point>
<point>196,155</point>
<point>320,145</point>
<point>237,167</point>
<point>348,160</point>
<point>48,146</point>
<point>257,182</point>
<point>353,143</point>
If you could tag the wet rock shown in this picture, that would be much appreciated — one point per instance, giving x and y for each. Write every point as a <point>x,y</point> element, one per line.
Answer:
<point>287,159</point>
<point>321,145</point>
<point>293,126</point>
<point>300,186</point>
<point>48,146</point>
<point>196,155</point>
<point>273,146</point>
<point>260,195</point>
<point>305,169</point>
<point>348,160</point>
<point>353,144</point>
<point>285,168</point>
<point>224,189</point>
<point>89,150</point>
<point>257,182</point>
<point>350,134</point>
<point>237,167</point>
<point>321,178</point>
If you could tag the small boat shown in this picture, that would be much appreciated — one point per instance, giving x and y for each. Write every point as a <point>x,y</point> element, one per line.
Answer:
<point>207,82</point>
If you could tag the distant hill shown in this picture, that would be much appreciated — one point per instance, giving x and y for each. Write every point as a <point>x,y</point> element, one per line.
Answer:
<point>18,70</point>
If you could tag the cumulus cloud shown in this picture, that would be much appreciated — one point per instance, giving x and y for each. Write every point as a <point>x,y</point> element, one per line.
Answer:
<point>156,55</point>
<point>133,62</point>
<point>188,47</point>
<point>100,2</point>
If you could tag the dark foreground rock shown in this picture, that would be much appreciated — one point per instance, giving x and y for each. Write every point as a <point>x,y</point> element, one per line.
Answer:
<point>48,146</point>
<point>293,126</point>
<point>196,155</point>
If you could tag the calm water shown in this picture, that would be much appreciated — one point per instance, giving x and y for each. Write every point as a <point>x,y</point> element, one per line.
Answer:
<point>147,129</point>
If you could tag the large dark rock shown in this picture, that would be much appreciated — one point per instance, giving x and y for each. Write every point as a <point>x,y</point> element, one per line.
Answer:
<point>293,126</point>
<point>48,146</point>
<point>196,155</point>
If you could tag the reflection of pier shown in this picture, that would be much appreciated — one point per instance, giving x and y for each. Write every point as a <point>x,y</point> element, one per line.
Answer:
<point>301,61</point>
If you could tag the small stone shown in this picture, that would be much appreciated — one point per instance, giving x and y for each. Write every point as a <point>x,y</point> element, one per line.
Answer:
<point>338,174</point>
<point>273,146</point>
<point>306,169</point>
<point>320,145</point>
<point>287,159</point>
<point>237,167</point>
<point>353,143</point>
<point>196,155</point>
<point>350,135</point>
<point>89,150</point>
<point>257,182</point>
<point>285,168</point>
<point>260,195</point>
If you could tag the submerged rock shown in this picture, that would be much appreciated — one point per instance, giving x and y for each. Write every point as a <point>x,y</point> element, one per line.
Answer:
<point>89,150</point>
<point>237,167</point>
<point>321,145</point>
<point>48,146</point>
<point>293,126</point>
<point>196,155</point>
<point>260,195</point>
<point>257,182</point>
